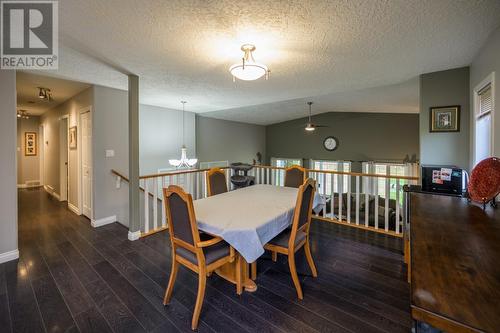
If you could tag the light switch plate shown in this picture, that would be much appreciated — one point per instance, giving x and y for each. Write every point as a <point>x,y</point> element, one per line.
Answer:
<point>110,153</point>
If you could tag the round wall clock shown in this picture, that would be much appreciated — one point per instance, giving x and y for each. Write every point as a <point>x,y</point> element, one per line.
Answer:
<point>331,143</point>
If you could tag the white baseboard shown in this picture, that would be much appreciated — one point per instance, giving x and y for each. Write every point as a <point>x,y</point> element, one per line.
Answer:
<point>73,208</point>
<point>103,221</point>
<point>8,256</point>
<point>132,236</point>
<point>50,190</point>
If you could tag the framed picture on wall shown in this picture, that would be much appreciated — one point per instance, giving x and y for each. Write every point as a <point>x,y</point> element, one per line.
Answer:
<point>72,137</point>
<point>445,119</point>
<point>30,144</point>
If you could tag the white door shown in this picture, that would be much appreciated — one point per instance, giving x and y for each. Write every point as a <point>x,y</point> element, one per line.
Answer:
<point>86,128</point>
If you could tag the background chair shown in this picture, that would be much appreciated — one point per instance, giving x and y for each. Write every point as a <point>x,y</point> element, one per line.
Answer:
<point>292,239</point>
<point>295,176</point>
<point>216,181</point>
<point>200,253</point>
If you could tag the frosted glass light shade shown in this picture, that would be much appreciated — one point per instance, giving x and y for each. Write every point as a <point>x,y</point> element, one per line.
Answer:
<point>184,161</point>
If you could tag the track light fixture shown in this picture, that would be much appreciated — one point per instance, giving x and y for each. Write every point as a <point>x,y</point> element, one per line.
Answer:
<point>44,93</point>
<point>23,114</point>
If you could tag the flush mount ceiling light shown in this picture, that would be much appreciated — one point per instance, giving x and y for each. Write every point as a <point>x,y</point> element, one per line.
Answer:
<point>248,69</point>
<point>184,162</point>
<point>44,93</point>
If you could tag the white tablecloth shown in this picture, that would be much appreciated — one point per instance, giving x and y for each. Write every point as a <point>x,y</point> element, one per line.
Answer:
<point>249,217</point>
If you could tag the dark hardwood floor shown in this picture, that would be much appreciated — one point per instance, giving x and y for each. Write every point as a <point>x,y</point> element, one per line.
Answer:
<point>71,277</point>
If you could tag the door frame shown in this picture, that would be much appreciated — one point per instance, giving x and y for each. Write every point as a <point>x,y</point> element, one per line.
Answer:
<point>79,158</point>
<point>63,190</point>
<point>41,149</point>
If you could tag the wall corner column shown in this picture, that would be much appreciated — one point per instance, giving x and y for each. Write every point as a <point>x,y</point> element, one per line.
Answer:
<point>133,155</point>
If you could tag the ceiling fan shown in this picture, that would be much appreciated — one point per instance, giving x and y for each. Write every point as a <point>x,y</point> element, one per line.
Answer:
<point>310,126</point>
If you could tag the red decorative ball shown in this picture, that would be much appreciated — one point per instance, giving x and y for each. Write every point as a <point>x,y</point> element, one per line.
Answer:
<point>484,183</point>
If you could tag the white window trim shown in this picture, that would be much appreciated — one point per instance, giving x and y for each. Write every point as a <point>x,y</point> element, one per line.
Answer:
<point>274,159</point>
<point>490,79</point>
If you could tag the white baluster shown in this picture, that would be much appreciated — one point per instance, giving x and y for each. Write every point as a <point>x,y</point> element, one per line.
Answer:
<point>398,189</point>
<point>367,202</point>
<point>324,193</point>
<point>146,206</point>
<point>348,198</point>
<point>205,192</point>
<point>155,202</point>
<point>332,197</point>
<point>376,204</point>
<point>163,212</point>
<point>339,188</point>
<point>357,200</point>
<point>387,198</point>
<point>267,176</point>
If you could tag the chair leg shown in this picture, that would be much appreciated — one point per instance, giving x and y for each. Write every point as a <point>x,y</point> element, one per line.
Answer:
<point>274,256</point>
<point>295,277</point>
<point>309,258</point>
<point>202,281</point>
<point>171,281</point>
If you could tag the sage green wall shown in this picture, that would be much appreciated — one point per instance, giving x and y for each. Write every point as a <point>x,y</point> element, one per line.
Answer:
<point>450,87</point>
<point>223,140</point>
<point>362,137</point>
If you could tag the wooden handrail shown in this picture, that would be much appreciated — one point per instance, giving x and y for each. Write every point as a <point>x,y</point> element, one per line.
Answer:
<point>116,173</point>
<point>174,173</point>
<point>343,173</point>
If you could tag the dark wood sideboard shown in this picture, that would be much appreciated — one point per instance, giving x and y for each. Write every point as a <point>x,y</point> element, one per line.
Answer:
<point>455,263</point>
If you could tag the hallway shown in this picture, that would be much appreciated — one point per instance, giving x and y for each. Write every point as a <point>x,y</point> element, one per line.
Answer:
<point>71,277</point>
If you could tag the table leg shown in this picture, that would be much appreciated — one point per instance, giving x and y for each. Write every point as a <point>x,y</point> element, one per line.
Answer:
<point>254,270</point>
<point>238,271</point>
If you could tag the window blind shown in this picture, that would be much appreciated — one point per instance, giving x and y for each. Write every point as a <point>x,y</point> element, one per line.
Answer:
<point>485,102</point>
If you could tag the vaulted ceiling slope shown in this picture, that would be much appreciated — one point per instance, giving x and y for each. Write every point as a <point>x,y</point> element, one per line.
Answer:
<point>182,49</point>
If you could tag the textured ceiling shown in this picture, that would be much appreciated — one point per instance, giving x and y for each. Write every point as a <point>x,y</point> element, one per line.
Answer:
<point>182,49</point>
<point>398,98</point>
<point>27,92</point>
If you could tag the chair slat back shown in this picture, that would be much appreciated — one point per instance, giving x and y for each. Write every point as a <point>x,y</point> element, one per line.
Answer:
<point>180,216</point>
<point>216,181</point>
<point>295,176</point>
<point>303,209</point>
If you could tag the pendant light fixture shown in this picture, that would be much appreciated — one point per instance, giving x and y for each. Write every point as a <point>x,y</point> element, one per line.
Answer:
<point>184,162</point>
<point>248,69</point>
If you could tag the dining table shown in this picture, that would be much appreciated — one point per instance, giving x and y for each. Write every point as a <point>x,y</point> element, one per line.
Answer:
<point>247,218</point>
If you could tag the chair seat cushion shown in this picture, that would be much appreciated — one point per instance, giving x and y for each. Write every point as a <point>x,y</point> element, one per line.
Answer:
<point>212,253</point>
<point>282,239</point>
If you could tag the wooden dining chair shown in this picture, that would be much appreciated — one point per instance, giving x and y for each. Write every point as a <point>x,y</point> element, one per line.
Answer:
<point>295,176</point>
<point>216,181</point>
<point>200,252</point>
<point>292,239</point>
